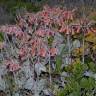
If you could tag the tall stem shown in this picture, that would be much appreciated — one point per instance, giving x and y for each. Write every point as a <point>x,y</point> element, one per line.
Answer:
<point>83,47</point>
<point>83,12</point>
<point>50,78</point>
<point>69,47</point>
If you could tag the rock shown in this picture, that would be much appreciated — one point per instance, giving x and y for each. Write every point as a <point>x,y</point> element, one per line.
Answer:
<point>76,44</point>
<point>39,68</point>
<point>2,73</point>
<point>29,84</point>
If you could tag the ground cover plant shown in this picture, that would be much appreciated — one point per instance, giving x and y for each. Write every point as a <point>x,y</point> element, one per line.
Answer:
<point>48,53</point>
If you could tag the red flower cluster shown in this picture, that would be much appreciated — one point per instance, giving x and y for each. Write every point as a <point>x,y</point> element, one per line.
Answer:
<point>33,30</point>
<point>12,66</point>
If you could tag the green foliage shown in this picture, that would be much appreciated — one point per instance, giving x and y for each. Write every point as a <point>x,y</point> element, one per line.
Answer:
<point>87,84</point>
<point>1,37</point>
<point>88,60</point>
<point>9,79</point>
<point>58,64</point>
<point>78,70</point>
<point>50,40</point>
<point>92,66</point>
<point>72,88</point>
<point>92,16</point>
<point>13,5</point>
<point>76,81</point>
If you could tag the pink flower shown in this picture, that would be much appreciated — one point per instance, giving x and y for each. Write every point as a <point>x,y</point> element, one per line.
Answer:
<point>33,52</point>
<point>40,33</point>
<point>62,29</point>
<point>22,52</point>
<point>78,29</point>
<point>68,15</point>
<point>12,29</point>
<point>31,18</point>
<point>65,29</point>
<point>45,14</point>
<point>8,62</point>
<point>53,51</point>
<point>47,21</point>
<point>14,67</point>
<point>42,52</point>
<point>49,32</point>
